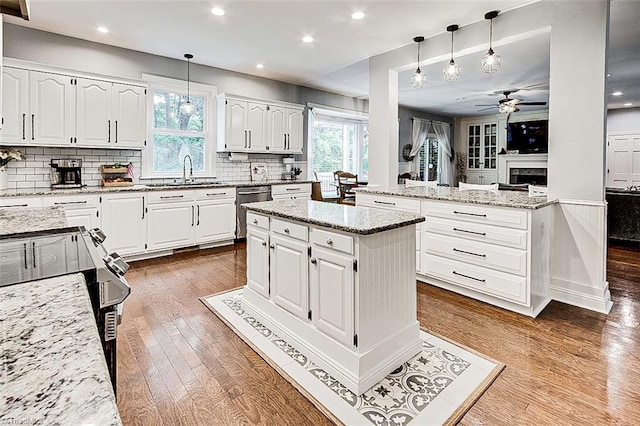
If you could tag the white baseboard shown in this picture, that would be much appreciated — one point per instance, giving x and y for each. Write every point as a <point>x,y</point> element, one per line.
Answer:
<point>581,295</point>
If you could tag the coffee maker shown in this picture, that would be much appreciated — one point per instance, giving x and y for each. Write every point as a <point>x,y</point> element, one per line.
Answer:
<point>66,173</point>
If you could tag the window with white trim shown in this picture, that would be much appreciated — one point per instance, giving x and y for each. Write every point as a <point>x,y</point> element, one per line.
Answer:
<point>173,135</point>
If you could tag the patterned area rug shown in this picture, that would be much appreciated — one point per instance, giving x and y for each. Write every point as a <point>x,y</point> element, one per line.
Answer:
<point>437,386</point>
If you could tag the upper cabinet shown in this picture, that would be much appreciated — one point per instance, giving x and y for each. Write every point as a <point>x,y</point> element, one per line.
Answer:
<point>52,109</point>
<point>259,126</point>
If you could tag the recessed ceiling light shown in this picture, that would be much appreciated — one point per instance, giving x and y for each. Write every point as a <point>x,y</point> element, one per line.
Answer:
<point>260,66</point>
<point>218,11</point>
<point>618,93</point>
<point>356,16</point>
<point>307,39</point>
<point>103,30</point>
<point>608,75</point>
<point>628,104</point>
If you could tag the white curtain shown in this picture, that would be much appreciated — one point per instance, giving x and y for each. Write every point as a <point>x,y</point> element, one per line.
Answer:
<point>418,136</point>
<point>445,152</point>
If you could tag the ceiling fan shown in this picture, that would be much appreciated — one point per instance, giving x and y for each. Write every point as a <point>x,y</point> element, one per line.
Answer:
<point>508,105</point>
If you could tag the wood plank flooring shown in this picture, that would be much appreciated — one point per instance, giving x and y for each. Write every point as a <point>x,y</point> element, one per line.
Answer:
<point>179,365</point>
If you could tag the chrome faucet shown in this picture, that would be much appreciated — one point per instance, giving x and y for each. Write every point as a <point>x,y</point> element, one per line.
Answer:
<point>184,169</point>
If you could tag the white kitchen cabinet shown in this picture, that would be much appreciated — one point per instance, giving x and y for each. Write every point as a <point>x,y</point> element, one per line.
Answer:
<point>289,274</point>
<point>17,202</point>
<point>81,210</point>
<point>215,215</point>
<point>129,114</point>
<point>124,222</point>
<point>15,107</point>
<point>245,128</point>
<point>300,191</point>
<point>482,178</point>
<point>170,225</point>
<point>285,129</point>
<point>51,108</point>
<point>258,262</point>
<point>332,290</point>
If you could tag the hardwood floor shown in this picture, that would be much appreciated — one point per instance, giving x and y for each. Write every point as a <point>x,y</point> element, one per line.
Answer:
<point>179,365</point>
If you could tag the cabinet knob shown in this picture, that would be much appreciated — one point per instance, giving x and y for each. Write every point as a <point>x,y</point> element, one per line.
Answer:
<point>264,243</point>
<point>329,241</point>
<point>255,221</point>
<point>272,246</point>
<point>313,260</point>
<point>286,230</point>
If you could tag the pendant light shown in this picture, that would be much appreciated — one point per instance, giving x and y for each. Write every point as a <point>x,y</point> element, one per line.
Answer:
<point>490,61</point>
<point>418,80</point>
<point>188,108</point>
<point>452,71</point>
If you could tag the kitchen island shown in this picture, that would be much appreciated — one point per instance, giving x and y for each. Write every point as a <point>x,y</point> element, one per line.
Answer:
<point>54,370</point>
<point>492,246</point>
<point>337,282</point>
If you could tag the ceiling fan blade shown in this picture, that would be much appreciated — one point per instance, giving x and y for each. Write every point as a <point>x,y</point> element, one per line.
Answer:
<point>532,103</point>
<point>486,109</point>
<point>491,105</point>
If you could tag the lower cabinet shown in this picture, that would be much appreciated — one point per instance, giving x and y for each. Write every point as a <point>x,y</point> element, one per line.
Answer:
<point>289,277</point>
<point>215,215</point>
<point>332,294</point>
<point>170,225</point>
<point>124,222</point>
<point>81,210</point>
<point>258,262</point>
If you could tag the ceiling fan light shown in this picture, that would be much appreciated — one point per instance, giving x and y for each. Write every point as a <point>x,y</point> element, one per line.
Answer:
<point>490,61</point>
<point>452,71</point>
<point>418,80</point>
<point>507,108</point>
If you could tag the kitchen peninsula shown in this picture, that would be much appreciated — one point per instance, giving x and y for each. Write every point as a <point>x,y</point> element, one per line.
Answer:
<point>337,282</point>
<point>492,246</point>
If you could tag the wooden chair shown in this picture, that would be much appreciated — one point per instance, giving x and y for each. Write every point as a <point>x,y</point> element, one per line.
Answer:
<point>346,182</point>
<point>402,177</point>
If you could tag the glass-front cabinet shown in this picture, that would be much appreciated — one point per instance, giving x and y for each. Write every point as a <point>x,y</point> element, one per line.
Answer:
<point>482,148</point>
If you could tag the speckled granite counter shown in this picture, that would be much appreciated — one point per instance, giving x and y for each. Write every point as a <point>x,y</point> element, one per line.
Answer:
<point>356,220</point>
<point>24,219</point>
<point>155,187</point>
<point>54,369</point>
<point>515,199</point>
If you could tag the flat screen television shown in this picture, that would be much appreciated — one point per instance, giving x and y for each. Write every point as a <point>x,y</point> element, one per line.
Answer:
<point>528,137</point>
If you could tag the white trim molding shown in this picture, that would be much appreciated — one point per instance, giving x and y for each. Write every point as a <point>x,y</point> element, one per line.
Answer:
<point>508,161</point>
<point>579,255</point>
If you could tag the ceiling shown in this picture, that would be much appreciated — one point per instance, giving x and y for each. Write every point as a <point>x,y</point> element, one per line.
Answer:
<point>270,32</point>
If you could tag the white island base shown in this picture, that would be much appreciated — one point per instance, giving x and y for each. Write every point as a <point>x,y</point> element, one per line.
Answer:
<point>345,300</point>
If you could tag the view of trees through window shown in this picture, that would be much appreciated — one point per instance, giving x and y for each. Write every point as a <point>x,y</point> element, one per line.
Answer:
<point>429,159</point>
<point>340,145</point>
<point>176,134</point>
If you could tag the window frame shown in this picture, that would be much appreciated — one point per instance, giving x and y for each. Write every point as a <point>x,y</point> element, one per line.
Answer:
<point>209,93</point>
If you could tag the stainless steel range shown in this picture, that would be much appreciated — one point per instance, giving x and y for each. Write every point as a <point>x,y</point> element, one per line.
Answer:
<point>38,255</point>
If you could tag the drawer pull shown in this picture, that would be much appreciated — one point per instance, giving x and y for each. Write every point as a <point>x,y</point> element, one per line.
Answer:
<point>470,214</point>
<point>292,189</point>
<point>286,230</point>
<point>171,196</point>
<point>470,232</point>
<point>329,241</point>
<point>386,203</point>
<point>468,252</point>
<point>17,205</point>
<point>216,194</point>
<point>255,221</point>
<point>467,276</point>
<point>70,202</point>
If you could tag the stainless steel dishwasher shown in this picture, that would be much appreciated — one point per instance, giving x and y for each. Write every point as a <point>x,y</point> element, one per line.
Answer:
<point>248,194</point>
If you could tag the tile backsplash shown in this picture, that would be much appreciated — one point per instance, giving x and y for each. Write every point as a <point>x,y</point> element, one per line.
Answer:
<point>34,171</point>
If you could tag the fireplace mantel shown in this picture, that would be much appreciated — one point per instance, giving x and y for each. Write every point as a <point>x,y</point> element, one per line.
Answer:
<point>509,161</point>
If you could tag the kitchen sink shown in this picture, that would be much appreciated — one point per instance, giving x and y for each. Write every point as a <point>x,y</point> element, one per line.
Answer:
<point>185,185</point>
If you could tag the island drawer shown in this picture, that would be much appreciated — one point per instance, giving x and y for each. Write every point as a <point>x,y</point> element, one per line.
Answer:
<point>290,229</point>
<point>332,240</point>
<point>491,256</point>
<point>505,286</point>
<point>498,216</point>
<point>291,189</point>
<point>388,203</point>
<point>257,220</point>
<point>72,201</point>
<point>509,237</point>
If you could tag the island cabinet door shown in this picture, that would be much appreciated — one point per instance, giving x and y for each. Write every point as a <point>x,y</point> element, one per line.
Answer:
<point>289,275</point>
<point>258,261</point>
<point>332,294</point>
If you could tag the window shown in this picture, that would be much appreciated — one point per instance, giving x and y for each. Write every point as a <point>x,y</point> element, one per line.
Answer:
<point>337,143</point>
<point>428,158</point>
<point>174,135</point>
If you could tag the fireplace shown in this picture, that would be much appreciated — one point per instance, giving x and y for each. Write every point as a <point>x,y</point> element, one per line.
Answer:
<point>530,175</point>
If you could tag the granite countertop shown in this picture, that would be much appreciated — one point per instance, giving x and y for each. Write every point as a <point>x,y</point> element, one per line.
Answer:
<point>52,361</point>
<point>152,187</point>
<point>31,219</point>
<point>356,220</point>
<point>515,199</point>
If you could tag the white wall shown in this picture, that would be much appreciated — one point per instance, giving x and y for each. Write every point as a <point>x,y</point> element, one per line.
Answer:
<point>623,120</point>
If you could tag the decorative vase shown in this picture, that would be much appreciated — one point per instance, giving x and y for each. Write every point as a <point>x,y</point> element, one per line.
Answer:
<point>4,177</point>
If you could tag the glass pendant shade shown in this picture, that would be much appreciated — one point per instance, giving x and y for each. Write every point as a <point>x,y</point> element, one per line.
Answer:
<point>452,71</point>
<point>187,108</point>
<point>418,80</point>
<point>507,108</point>
<point>490,61</point>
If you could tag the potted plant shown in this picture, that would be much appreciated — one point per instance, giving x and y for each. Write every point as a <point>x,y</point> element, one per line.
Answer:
<point>6,155</point>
